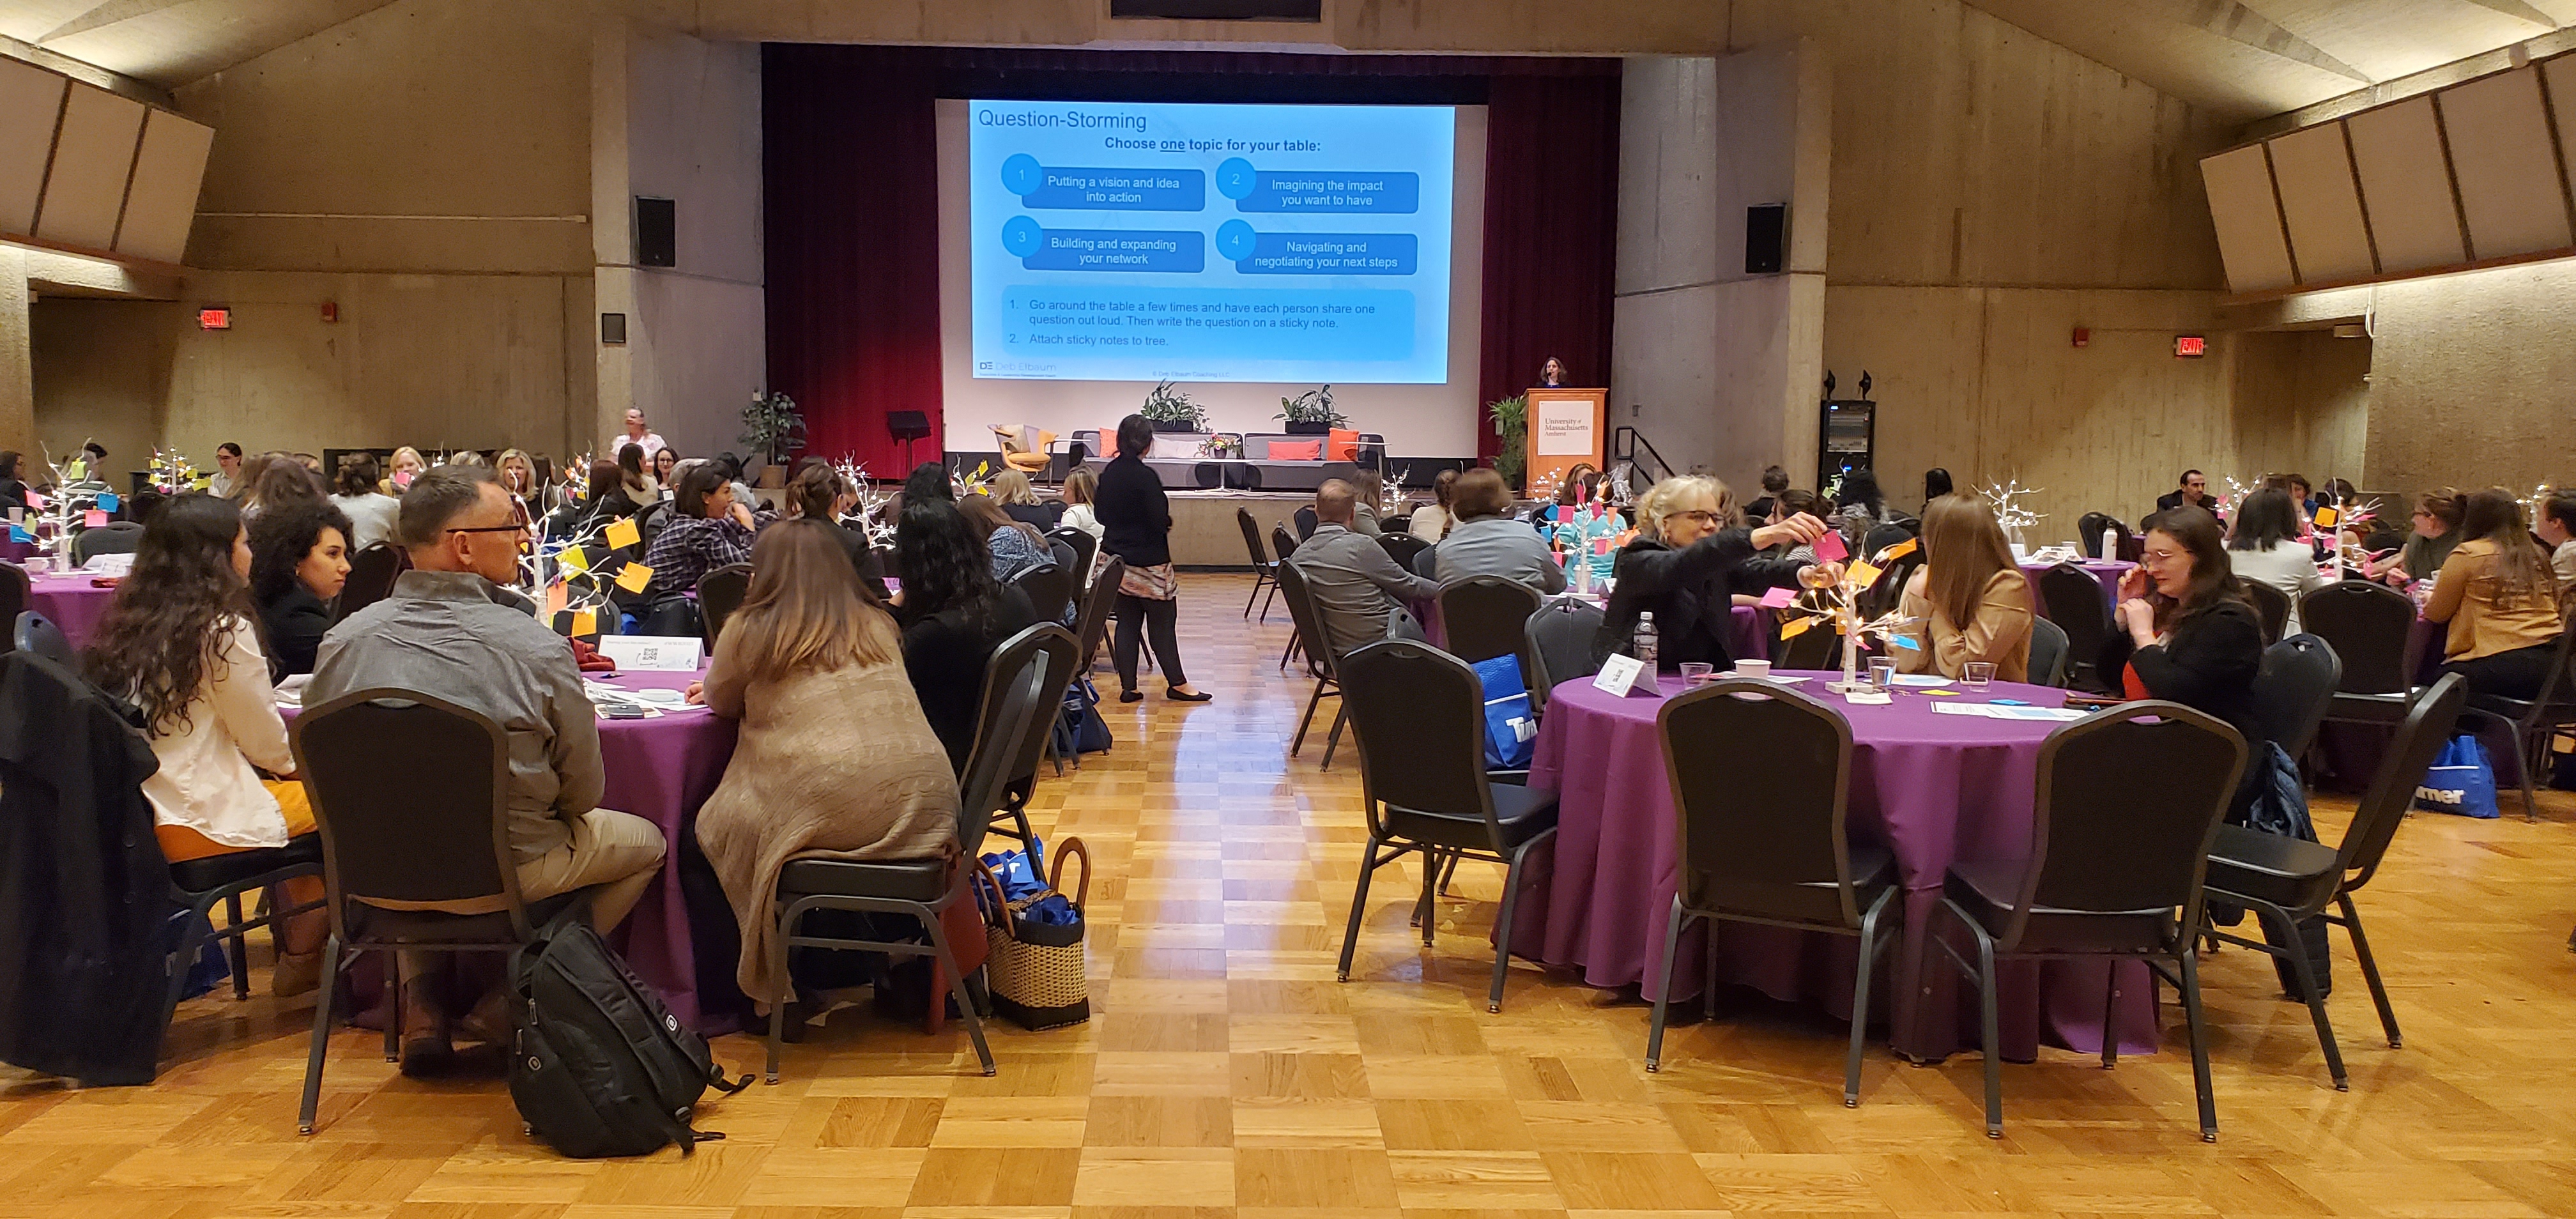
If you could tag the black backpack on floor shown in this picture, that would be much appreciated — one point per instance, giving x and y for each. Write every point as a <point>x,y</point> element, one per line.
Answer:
<point>600,1068</point>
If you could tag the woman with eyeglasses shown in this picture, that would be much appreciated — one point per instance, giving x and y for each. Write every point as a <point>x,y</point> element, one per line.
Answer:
<point>2436,532</point>
<point>1688,561</point>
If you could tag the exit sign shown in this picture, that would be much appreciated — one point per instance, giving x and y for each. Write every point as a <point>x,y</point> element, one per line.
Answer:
<point>215,319</point>
<point>2190,346</point>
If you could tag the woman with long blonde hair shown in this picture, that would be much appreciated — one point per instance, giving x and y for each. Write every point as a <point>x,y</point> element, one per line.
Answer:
<point>835,760</point>
<point>1973,601</point>
<point>1689,558</point>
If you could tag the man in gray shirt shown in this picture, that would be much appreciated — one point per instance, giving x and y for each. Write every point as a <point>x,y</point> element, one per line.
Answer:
<point>1356,585</point>
<point>452,629</point>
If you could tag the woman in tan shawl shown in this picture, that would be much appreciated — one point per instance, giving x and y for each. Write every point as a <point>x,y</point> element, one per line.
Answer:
<point>835,760</point>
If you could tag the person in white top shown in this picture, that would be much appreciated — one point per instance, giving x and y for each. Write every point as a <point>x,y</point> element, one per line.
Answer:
<point>180,641</point>
<point>2266,549</point>
<point>2557,526</point>
<point>1432,521</point>
<point>638,435</point>
<point>1079,487</point>
<point>227,476</point>
<point>372,514</point>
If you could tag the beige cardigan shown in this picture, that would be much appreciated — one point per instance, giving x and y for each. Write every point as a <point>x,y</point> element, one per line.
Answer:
<point>830,765</point>
<point>1999,633</point>
<point>2464,597</point>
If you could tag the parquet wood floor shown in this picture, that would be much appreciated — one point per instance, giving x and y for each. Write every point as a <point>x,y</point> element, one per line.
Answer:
<point>1226,1073</point>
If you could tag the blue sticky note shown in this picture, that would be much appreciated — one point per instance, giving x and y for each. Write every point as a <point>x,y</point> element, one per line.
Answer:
<point>1905,642</point>
<point>18,533</point>
<point>107,501</point>
<point>2009,702</point>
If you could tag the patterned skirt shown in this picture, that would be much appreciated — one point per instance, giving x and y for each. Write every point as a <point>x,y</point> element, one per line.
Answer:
<point>1156,583</point>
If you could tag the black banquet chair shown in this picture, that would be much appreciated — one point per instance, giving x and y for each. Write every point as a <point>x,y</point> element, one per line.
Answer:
<point>1761,780</point>
<point>1283,544</point>
<point>372,572</point>
<point>442,835</point>
<point>2367,627</point>
<point>2293,688</point>
<point>1424,784</point>
<point>1556,646</point>
<point>922,889</point>
<point>1086,552</point>
<point>2272,606</point>
<point>34,632</point>
<point>2533,721</point>
<point>2047,653</point>
<point>2286,881</point>
<point>1265,570</point>
<point>1320,662</point>
<point>15,593</point>
<point>2109,862</point>
<point>1402,547</point>
<point>2072,599</point>
<point>115,537</point>
<point>720,593</point>
<point>1482,617</point>
<point>1058,655</point>
<point>1050,588</point>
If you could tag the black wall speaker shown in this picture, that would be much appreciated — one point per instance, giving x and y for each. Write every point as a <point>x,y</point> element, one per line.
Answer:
<point>1766,238</point>
<point>1218,10</point>
<point>657,232</point>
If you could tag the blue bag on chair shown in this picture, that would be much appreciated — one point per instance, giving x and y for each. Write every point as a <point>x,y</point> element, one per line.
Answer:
<point>2459,781</point>
<point>1511,728</point>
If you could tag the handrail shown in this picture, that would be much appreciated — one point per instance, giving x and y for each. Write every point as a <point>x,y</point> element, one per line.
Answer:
<point>1626,441</point>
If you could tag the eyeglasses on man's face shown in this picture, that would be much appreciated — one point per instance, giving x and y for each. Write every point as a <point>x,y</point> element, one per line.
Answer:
<point>521,530</point>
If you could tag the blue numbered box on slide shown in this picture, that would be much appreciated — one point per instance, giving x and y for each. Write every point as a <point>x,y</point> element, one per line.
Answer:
<point>1258,253</point>
<point>1375,192</point>
<point>1129,250</point>
<point>1109,189</point>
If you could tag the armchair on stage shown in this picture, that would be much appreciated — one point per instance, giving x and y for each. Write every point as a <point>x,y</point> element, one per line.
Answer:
<point>1026,449</point>
<point>1270,461</point>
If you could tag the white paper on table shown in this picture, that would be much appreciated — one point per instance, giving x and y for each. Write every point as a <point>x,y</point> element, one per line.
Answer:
<point>1619,675</point>
<point>653,653</point>
<point>1994,711</point>
<point>111,565</point>
<point>1920,679</point>
<point>1732,675</point>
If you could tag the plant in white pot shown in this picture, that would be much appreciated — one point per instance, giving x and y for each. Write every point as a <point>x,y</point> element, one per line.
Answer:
<point>1311,413</point>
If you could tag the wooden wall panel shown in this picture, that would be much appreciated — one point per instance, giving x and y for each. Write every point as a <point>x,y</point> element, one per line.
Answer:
<point>2248,219</point>
<point>2510,188</point>
<point>92,159</point>
<point>163,198</point>
<point>2559,77</point>
<point>2313,171</point>
<point>31,102</point>
<point>2406,185</point>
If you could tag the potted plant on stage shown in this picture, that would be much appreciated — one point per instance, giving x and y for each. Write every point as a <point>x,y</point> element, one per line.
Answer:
<point>1311,413</point>
<point>1511,426</point>
<point>1170,410</point>
<point>773,429</point>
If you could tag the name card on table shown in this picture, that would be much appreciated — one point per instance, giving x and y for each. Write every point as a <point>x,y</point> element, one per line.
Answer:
<point>1623,676</point>
<point>652,653</point>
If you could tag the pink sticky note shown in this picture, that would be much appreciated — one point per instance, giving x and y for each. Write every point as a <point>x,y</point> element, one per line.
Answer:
<point>93,518</point>
<point>1600,545</point>
<point>35,501</point>
<point>1830,548</point>
<point>1779,598</point>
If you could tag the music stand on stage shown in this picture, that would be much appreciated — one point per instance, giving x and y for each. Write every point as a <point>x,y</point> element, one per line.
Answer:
<point>908,426</point>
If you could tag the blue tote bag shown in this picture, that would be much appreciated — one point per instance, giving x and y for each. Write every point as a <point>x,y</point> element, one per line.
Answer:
<point>1511,728</point>
<point>2460,780</point>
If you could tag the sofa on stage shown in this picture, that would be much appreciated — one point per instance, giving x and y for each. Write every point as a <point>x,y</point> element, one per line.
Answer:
<point>1270,462</point>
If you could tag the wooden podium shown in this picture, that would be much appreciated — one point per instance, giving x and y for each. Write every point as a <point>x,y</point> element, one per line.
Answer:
<point>1566,427</point>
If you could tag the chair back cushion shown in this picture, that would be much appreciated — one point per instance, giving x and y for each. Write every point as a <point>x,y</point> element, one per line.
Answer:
<point>2104,841</point>
<point>1418,718</point>
<point>1557,643</point>
<point>2366,625</point>
<point>1758,775</point>
<point>1482,617</point>
<point>411,794</point>
<point>720,593</point>
<point>2047,653</point>
<point>1096,607</point>
<point>2272,606</point>
<point>2293,690</point>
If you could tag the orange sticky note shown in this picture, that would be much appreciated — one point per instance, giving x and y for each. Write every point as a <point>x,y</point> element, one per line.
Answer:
<point>585,622</point>
<point>2326,517</point>
<point>1864,574</point>
<point>622,533</point>
<point>1795,628</point>
<point>634,577</point>
<point>1897,551</point>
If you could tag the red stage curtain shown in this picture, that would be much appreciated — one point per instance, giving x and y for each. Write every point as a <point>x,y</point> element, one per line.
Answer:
<point>850,159</point>
<point>1551,233</point>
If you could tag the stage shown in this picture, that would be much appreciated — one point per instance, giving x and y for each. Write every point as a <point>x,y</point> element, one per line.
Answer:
<point>1204,532</point>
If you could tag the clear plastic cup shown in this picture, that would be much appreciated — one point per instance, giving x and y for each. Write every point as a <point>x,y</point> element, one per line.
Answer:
<point>1977,674</point>
<point>1882,672</point>
<point>1695,673</point>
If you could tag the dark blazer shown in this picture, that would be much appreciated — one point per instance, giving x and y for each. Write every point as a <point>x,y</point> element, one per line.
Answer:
<point>2209,666</point>
<point>82,974</point>
<point>1135,519</point>
<point>1042,516</point>
<point>295,622</point>
<point>1691,593</point>
<point>864,557</point>
<point>944,655</point>
<point>2173,499</point>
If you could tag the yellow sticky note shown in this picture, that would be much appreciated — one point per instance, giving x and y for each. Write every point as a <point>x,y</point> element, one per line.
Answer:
<point>585,622</point>
<point>2326,517</point>
<point>634,577</point>
<point>1897,551</point>
<point>1864,574</point>
<point>1795,627</point>
<point>574,559</point>
<point>622,533</point>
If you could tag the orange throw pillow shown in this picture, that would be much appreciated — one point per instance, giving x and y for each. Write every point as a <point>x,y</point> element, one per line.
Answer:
<point>1345,445</point>
<point>1296,450</point>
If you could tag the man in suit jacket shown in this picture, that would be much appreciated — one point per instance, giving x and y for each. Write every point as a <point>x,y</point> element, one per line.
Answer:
<point>2194,490</point>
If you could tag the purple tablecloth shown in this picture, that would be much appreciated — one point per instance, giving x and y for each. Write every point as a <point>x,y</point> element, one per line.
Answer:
<point>661,770</point>
<point>1748,636</point>
<point>2106,572</point>
<point>72,602</point>
<point>1933,787</point>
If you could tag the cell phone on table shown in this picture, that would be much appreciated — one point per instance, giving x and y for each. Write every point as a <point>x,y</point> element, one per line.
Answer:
<point>625,712</point>
<point>2079,699</point>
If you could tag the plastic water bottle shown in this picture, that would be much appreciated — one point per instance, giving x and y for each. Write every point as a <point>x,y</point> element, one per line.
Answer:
<point>1642,644</point>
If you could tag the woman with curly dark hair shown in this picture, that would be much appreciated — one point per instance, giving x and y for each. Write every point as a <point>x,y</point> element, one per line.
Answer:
<point>299,558</point>
<point>182,642</point>
<point>953,614</point>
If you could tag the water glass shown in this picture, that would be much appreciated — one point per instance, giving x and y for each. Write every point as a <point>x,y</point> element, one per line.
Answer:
<point>1695,673</point>
<point>1977,674</point>
<point>1882,672</point>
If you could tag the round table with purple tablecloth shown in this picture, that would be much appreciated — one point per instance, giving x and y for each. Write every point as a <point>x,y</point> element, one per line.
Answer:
<point>73,602</point>
<point>2106,572</point>
<point>1748,635</point>
<point>681,938</point>
<point>1933,786</point>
